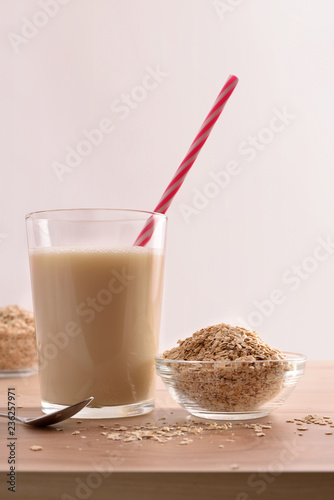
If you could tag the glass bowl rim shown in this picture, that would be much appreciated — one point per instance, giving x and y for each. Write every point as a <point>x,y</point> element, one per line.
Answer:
<point>292,357</point>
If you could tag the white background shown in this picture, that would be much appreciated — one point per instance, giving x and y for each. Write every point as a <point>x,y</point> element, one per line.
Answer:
<point>241,245</point>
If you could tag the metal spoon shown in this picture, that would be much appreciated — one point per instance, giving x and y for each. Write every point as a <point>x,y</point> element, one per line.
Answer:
<point>54,417</point>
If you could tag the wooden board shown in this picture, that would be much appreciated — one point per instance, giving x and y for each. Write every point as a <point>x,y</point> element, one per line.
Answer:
<point>279,465</point>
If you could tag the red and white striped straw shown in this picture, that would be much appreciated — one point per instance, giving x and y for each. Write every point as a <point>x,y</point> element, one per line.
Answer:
<point>199,141</point>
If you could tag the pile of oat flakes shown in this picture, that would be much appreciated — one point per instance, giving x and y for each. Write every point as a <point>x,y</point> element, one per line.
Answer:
<point>17,339</point>
<point>186,432</point>
<point>246,372</point>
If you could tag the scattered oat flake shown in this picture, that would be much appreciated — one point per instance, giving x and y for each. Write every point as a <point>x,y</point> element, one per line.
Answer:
<point>328,433</point>
<point>75,432</point>
<point>60,429</point>
<point>302,428</point>
<point>260,434</point>
<point>36,447</point>
<point>131,438</point>
<point>290,421</point>
<point>186,441</point>
<point>114,436</point>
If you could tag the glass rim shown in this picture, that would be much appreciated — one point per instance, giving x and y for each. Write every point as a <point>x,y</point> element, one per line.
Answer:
<point>35,215</point>
<point>292,357</point>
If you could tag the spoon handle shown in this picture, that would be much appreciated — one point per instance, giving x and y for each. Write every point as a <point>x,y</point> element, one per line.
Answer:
<point>5,415</point>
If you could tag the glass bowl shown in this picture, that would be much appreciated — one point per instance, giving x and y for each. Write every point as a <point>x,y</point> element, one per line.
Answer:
<point>231,390</point>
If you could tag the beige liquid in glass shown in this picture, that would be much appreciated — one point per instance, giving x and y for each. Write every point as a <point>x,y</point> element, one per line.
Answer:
<point>97,322</point>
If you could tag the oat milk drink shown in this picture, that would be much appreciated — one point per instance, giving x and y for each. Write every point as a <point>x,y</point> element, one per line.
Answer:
<point>97,321</point>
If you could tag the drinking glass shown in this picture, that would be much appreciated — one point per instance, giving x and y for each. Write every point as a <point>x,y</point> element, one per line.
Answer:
<point>97,303</point>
